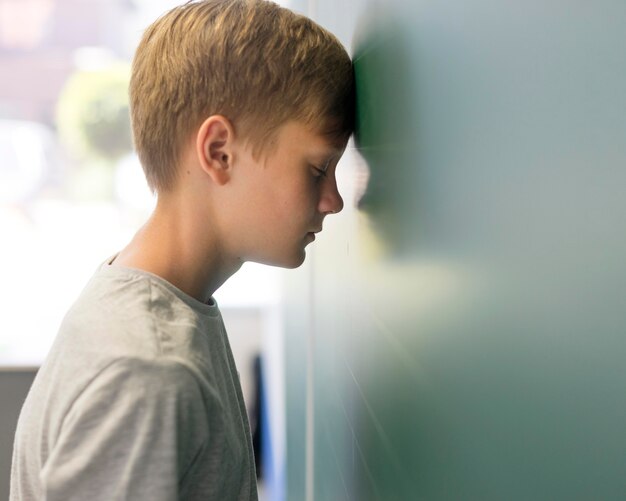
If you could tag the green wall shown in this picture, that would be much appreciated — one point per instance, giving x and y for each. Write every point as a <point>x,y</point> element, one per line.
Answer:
<point>464,319</point>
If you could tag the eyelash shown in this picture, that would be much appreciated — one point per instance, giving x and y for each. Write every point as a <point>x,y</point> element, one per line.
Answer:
<point>321,173</point>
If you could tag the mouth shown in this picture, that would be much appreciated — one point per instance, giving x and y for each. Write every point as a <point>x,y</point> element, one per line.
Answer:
<point>311,234</point>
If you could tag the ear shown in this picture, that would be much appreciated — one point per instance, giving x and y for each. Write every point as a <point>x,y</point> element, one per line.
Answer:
<point>214,148</point>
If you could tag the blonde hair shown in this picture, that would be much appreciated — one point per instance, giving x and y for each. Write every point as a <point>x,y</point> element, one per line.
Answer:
<point>254,62</point>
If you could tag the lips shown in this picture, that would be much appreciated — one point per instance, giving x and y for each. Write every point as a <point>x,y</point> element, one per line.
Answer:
<point>312,233</point>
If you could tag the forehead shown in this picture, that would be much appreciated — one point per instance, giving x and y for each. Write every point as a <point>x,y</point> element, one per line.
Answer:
<point>299,137</point>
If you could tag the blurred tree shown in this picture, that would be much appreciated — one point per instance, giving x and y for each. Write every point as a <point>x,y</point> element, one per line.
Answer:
<point>93,114</point>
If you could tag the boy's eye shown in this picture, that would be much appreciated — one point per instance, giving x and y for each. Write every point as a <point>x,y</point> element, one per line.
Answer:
<point>319,173</point>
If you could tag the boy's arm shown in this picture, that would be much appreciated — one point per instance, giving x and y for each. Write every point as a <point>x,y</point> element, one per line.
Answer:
<point>131,434</point>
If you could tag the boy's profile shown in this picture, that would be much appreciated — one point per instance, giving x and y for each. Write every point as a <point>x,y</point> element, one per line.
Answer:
<point>240,110</point>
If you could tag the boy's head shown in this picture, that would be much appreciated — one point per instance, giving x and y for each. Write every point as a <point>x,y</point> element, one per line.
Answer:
<point>251,61</point>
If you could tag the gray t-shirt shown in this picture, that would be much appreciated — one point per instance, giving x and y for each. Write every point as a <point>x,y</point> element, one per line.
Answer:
<point>138,399</point>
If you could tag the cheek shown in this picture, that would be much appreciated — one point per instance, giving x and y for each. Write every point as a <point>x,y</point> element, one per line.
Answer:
<point>286,206</point>
<point>297,198</point>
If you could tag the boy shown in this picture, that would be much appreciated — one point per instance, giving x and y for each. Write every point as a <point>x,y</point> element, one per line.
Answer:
<point>240,112</point>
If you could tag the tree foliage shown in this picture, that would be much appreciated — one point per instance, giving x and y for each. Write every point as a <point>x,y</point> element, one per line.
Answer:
<point>93,114</point>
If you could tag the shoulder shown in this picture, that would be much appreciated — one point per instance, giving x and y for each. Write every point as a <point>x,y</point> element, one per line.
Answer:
<point>126,313</point>
<point>142,396</point>
<point>145,378</point>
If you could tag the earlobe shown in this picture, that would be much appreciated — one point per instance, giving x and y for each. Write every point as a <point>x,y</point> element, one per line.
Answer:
<point>214,148</point>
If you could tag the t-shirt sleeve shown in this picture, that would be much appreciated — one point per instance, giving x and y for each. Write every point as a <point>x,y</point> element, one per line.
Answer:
<point>131,434</point>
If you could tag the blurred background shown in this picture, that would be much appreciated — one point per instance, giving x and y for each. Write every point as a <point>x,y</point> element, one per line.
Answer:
<point>458,332</point>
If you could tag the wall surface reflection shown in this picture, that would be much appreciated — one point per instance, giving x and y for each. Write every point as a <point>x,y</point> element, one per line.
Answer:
<point>467,315</point>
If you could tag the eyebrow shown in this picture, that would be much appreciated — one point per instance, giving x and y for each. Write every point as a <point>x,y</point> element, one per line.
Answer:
<point>329,154</point>
<point>326,159</point>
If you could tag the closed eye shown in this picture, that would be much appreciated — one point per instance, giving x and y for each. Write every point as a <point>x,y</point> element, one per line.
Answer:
<point>319,172</point>
<point>322,171</point>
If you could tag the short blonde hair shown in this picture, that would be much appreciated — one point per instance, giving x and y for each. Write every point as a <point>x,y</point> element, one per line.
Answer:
<point>254,62</point>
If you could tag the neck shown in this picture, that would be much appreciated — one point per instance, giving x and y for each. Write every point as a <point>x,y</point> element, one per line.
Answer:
<point>181,247</point>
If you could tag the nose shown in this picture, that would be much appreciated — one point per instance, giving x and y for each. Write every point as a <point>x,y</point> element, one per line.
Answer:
<point>330,200</point>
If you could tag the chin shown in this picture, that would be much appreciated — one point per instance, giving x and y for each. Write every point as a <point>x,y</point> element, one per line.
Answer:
<point>299,259</point>
<point>290,263</point>
<point>293,263</point>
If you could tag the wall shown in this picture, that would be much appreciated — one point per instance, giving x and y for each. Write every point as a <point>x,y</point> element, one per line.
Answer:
<point>459,329</point>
